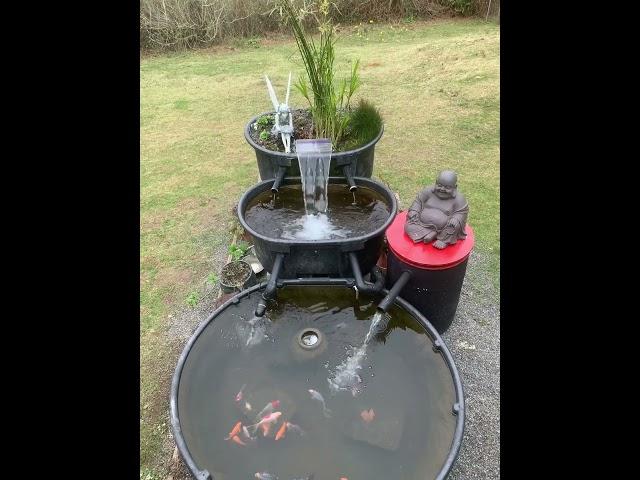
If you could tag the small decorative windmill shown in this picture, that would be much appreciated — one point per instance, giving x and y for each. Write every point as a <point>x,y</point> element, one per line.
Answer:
<point>284,119</point>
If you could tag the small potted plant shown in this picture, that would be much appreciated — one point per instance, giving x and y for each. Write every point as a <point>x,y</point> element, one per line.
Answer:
<point>237,275</point>
<point>353,130</point>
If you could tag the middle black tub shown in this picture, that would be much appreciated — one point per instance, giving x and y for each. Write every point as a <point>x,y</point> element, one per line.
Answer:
<point>318,244</point>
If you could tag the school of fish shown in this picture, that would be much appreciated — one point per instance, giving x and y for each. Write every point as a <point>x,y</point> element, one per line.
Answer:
<point>267,420</point>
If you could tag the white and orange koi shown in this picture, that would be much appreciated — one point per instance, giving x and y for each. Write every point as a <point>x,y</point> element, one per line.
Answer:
<point>267,422</point>
<point>267,410</point>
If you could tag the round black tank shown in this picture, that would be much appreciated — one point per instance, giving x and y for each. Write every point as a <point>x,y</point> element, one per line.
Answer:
<point>406,419</point>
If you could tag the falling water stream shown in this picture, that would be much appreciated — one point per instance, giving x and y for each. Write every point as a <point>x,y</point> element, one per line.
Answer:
<point>346,375</point>
<point>314,159</point>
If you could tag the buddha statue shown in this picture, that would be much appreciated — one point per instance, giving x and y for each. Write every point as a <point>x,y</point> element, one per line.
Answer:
<point>439,213</point>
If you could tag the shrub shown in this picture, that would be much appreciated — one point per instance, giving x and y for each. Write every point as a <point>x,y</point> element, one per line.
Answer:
<point>180,24</point>
<point>365,123</point>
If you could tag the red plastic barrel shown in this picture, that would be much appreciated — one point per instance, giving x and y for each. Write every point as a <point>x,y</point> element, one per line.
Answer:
<point>436,275</point>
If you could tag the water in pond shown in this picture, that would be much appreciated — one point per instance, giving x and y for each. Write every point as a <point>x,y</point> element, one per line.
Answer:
<point>348,214</point>
<point>399,426</point>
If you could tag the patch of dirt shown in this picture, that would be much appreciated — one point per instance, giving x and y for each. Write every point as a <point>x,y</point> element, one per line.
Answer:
<point>169,277</point>
<point>177,470</point>
<point>152,221</point>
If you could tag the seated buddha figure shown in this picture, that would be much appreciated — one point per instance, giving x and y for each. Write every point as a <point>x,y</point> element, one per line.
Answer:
<point>439,213</point>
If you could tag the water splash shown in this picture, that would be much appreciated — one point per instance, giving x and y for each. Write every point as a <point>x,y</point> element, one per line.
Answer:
<point>253,331</point>
<point>314,227</point>
<point>346,375</point>
<point>314,159</point>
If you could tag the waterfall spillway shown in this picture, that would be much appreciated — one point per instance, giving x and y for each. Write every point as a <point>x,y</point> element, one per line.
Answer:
<point>314,158</point>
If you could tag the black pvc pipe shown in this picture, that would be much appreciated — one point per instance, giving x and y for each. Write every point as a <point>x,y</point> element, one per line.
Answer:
<point>282,170</point>
<point>347,282</point>
<point>270,292</point>
<point>347,173</point>
<point>387,301</point>
<point>363,286</point>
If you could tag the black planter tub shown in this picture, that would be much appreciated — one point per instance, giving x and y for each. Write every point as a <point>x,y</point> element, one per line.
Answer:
<point>308,258</point>
<point>271,163</point>
<point>404,420</point>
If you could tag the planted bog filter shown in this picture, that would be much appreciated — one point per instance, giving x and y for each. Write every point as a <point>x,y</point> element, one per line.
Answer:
<point>361,159</point>
<point>399,416</point>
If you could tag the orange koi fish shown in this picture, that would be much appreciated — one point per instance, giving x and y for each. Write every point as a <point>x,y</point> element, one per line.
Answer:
<point>282,431</point>
<point>234,431</point>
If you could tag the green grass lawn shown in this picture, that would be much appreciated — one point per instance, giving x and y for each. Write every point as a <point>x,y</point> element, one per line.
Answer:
<point>437,86</point>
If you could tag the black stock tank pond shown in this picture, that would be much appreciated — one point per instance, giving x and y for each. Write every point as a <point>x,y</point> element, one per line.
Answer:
<point>348,214</point>
<point>316,223</point>
<point>307,391</point>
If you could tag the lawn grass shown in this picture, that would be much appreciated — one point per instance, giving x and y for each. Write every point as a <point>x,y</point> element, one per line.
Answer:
<point>437,86</point>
